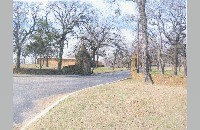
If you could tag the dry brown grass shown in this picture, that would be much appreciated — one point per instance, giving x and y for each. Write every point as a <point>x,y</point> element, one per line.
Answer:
<point>35,66</point>
<point>167,79</point>
<point>123,105</point>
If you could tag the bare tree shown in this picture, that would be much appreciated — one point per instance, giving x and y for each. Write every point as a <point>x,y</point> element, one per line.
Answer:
<point>141,5</point>
<point>158,47</point>
<point>24,20</point>
<point>183,56</point>
<point>119,55</point>
<point>170,20</point>
<point>185,59</point>
<point>67,16</point>
<point>173,25</point>
<point>95,36</point>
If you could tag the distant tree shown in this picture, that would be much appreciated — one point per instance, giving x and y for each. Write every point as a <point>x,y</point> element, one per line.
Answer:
<point>169,26</point>
<point>95,36</point>
<point>184,55</point>
<point>120,56</point>
<point>172,19</point>
<point>158,48</point>
<point>96,40</point>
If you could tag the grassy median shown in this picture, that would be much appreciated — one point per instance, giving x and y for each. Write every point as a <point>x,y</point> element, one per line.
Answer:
<point>123,105</point>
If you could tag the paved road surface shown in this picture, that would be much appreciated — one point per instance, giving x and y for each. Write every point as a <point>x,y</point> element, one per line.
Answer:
<point>27,89</point>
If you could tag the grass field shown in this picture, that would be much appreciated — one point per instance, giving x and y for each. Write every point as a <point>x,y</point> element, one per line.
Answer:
<point>123,105</point>
<point>168,71</point>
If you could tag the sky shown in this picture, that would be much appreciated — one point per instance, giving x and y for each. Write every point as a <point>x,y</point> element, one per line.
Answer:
<point>127,8</point>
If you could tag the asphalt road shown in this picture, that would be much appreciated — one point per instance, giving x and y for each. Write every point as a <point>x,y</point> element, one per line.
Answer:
<point>27,89</point>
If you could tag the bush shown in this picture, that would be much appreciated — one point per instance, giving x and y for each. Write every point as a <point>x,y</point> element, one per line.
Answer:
<point>66,70</point>
<point>36,71</point>
<point>31,71</point>
<point>72,69</point>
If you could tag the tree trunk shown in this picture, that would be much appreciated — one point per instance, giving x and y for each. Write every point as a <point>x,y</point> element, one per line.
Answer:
<point>97,59</point>
<point>147,75</point>
<point>18,58</point>
<point>150,65</point>
<point>35,57</point>
<point>115,58</point>
<point>138,42</point>
<point>161,62</point>
<point>158,66</point>
<point>179,66</point>
<point>40,61</point>
<point>162,68</point>
<point>24,60</point>
<point>93,60</point>
<point>43,60</point>
<point>113,66</point>
<point>160,57</point>
<point>185,61</point>
<point>47,61</point>
<point>175,59</point>
<point>185,67</point>
<point>35,60</point>
<point>60,58</point>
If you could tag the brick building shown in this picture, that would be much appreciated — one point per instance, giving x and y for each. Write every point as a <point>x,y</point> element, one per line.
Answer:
<point>53,62</point>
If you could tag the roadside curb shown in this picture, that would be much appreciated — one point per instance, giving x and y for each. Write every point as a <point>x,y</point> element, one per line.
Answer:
<point>46,110</point>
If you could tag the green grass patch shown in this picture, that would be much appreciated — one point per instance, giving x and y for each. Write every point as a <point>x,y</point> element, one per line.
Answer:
<point>123,105</point>
<point>167,71</point>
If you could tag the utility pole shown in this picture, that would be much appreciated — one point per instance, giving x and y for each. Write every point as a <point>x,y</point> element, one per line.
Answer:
<point>138,42</point>
<point>138,39</point>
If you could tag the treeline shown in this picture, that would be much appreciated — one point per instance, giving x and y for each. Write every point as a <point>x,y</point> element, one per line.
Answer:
<point>161,35</point>
<point>42,31</point>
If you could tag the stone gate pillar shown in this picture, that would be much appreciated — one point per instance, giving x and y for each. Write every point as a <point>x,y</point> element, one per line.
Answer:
<point>134,63</point>
<point>84,61</point>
